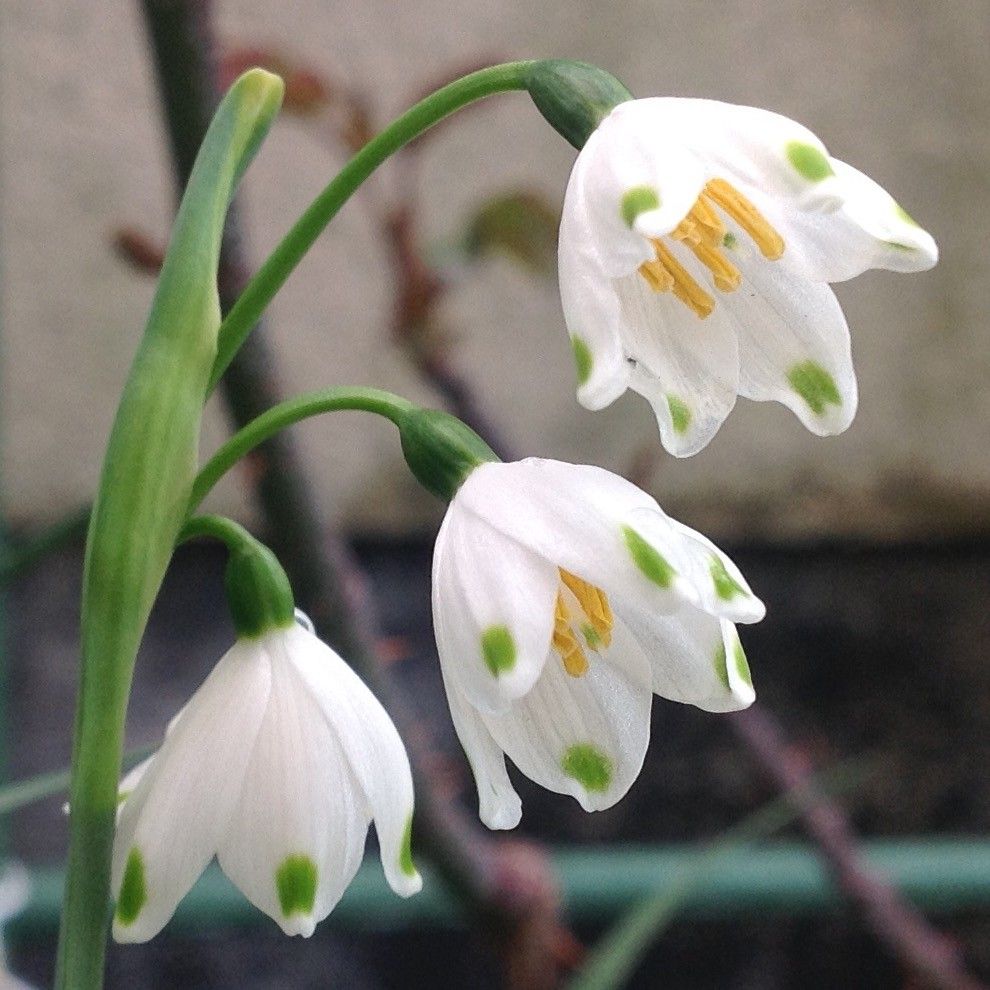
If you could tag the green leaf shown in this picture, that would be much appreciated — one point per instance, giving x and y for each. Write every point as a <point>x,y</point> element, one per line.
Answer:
<point>522,225</point>
<point>140,506</point>
<point>614,959</point>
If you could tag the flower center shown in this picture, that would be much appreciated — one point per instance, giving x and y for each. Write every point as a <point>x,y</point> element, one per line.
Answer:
<point>703,233</point>
<point>593,624</point>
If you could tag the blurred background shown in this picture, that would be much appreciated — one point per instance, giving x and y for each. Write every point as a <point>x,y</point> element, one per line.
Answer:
<point>438,281</point>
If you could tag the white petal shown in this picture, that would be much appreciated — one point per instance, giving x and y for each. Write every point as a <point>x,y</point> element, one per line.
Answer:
<point>686,367</point>
<point>624,154</point>
<point>498,803</point>
<point>591,312</point>
<point>577,517</point>
<point>584,736</point>
<point>720,587</point>
<point>299,829</point>
<point>695,659</point>
<point>170,825</point>
<point>794,346</point>
<point>374,751</point>
<point>493,603</point>
<point>752,147</point>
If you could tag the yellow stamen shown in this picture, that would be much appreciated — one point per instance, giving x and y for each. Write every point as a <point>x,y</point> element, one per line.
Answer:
<point>594,604</point>
<point>566,643</point>
<point>657,277</point>
<point>709,222</point>
<point>687,230</point>
<point>770,243</point>
<point>685,287</point>
<point>725,274</point>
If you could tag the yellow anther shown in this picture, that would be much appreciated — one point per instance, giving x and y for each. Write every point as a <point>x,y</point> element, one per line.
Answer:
<point>770,243</point>
<point>710,224</point>
<point>685,287</point>
<point>725,274</point>
<point>657,277</point>
<point>566,643</point>
<point>594,604</point>
<point>687,230</point>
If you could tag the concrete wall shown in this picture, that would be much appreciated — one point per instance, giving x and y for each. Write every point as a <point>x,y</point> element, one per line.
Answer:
<point>901,90</point>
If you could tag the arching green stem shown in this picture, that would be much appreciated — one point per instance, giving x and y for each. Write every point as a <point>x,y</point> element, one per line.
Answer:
<point>280,264</point>
<point>285,414</point>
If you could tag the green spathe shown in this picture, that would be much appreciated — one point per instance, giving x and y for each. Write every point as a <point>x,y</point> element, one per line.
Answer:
<point>498,649</point>
<point>295,882</point>
<point>140,505</point>
<point>573,96</point>
<point>440,450</point>
<point>589,766</point>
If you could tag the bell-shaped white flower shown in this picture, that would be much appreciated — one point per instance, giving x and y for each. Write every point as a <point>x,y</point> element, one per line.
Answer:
<point>563,599</point>
<point>276,765</point>
<point>697,242</point>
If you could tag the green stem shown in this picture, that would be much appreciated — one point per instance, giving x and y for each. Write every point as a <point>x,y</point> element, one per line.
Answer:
<point>283,260</point>
<point>233,535</point>
<point>285,414</point>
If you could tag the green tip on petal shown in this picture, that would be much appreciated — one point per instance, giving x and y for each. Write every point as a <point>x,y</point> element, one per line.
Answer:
<point>809,162</point>
<point>742,665</point>
<point>721,670</point>
<point>650,562</point>
<point>903,214</point>
<point>295,882</point>
<point>815,385</point>
<point>680,414</point>
<point>589,766</point>
<point>133,891</point>
<point>406,864</point>
<point>582,359</point>
<point>726,586</point>
<point>640,199</point>
<point>498,649</point>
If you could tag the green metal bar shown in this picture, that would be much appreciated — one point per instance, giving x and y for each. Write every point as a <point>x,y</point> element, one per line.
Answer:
<point>939,876</point>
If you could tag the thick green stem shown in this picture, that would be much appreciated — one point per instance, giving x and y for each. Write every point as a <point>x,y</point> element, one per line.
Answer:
<point>285,414</point>
<point>280,264</point>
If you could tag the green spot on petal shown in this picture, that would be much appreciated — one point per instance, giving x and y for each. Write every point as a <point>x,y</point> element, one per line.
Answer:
<point>742,665</point>
<point>406,863</point>
<point>133,892</point>
<point>680,414</point>
<point>640,199</point>
<point>808,161</point>
<point>589,766</point>
<point>721,670</point>
<point>726,586</point>
<point>499,649</point>
<point>815,385</point>
<point>729,240</point>
<point>647,559</point>
<point>582,359</point>
<point>295,881</point>
<point>900,247</point>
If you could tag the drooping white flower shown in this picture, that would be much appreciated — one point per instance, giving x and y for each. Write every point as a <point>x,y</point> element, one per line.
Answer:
<point>276,765</point>
<point>563,599</point>
<point>697,242</point>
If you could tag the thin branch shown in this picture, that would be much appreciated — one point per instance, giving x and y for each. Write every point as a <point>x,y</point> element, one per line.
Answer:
<point>922,950</point>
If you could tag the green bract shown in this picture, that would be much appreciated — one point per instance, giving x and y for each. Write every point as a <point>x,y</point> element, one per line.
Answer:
<point>440,450</point>
<point>140,506</point>
<point>573,96</point>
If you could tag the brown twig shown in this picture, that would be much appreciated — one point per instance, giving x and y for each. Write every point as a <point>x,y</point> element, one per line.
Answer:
<point>924,952</point>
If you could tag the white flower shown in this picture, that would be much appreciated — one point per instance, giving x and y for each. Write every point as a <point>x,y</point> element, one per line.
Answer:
<point>696,244</point>
<point>276,765</point>
<point>563,599</point>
